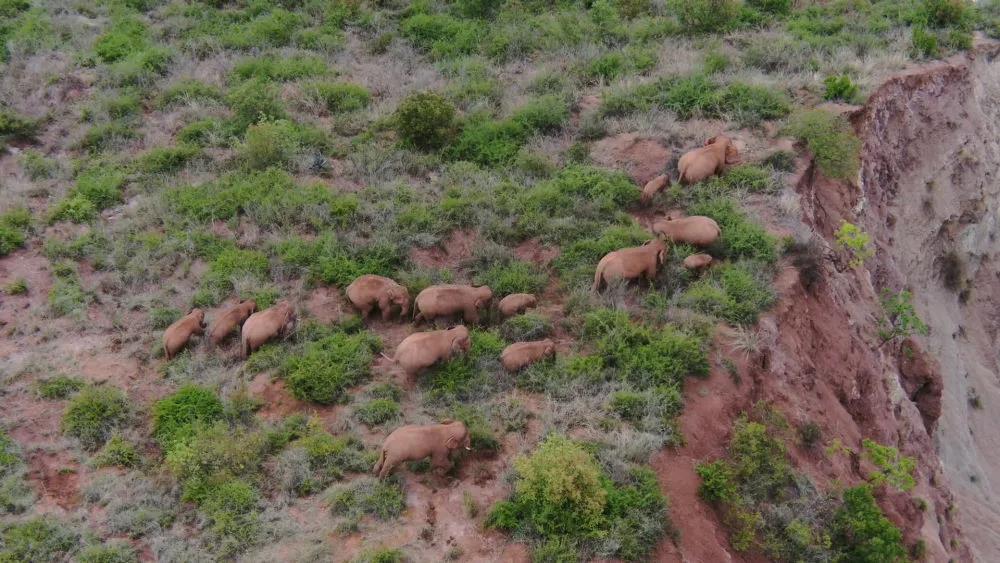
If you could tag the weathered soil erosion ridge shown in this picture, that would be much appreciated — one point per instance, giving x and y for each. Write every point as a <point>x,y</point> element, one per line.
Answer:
<point>930,198</point>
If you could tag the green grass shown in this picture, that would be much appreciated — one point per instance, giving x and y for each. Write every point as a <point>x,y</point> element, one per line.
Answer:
<point>97,188</point>
<point>175,416</point>
<point>37,539</point>
<point>328,367</point>
<point>736,292</point>
<point>741,237</point>
<point>58,387</point>
<point>118,452</point>
<point>67,295</point>
<point>14,228</point>
<point>94,414</point>
<point>365,496</point>
<point>526,327</point>
<point>337,97</point>
<point>167,159</point>
<point>189,90</point>
<point>473,375</point>
<point>112,552</point>
<point>831,141</point>
<point>280,69</point>
<point>378,411</point>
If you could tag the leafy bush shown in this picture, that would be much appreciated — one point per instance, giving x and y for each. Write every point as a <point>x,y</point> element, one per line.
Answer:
<point>59,387</point>
<point>733,292</point>
<point>111,552</point>
<point>282,69</point>
<point>771,6</point>
<point>14,126</point>
<point>383,555</point>
<point>231,509</point>
<point>270,143</point>
<point>653,409</point>
<point>118,452</point>
<point>97,188</point>
<point>175,416</point>
<point>706,15</point>
<point>37,166</point>
<point>544,114</point>
<point>863,533</point>
<point>213,454</point>
<point>328,367</point>
<point>229,265</point>
<point>513,277</point>
<point>126,36</point>
<point>717,482</point>
<point>188,90</point>
<point>901,319</point>
<point>472,375</point>
<point>367,496</point>
<point>272,28</point>
<point>925,43</point>
<point>840,88</point>
<point>741,237</point>
<point>856,242</point>
<point>329,458</point>
<point>426,120</point>
<point>329,261</point>
<point>38,539</point>
<point>94,413</point>
<point>524,328</point>
<point>253,101</point>
<point>894,468</point>
<point>378,411</point>
<point>831,140</point>
<point>442,35</point>
<point>14,226</point>
<point>167,159</point>
<point>67,295</point>
<point>15,495</point>
<point>337,97</point>
<point>944,13</point>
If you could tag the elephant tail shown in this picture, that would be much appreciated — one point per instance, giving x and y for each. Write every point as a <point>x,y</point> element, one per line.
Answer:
<point>388,357</point>
<point>598,278</point>
<point>244,347</point>
<point>380,463</point>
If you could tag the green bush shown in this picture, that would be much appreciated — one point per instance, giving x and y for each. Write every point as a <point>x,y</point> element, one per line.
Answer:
<point>441,35</point>
<point>706,15</point>
<point>895,469</point>
<point>329,261</point>
<point>544,114</point>
<point>512,277</point>
<point>112,552</point>
<point>741,237</point>
<point>717,482</point>
<point>272,28</point>
<point>126,36</point>
<point>231,509</point>
<point>14,227</point>
<point>107,136</point>
<point>213,454</point>
<point>327,368</point>
<point>118,452</point>
<point>203,132</point>
<point>830,139</point>
<point>14,126</point>
<point>67,295</point>
<point>863,533</point>
<point>15,495</point>
<point>253,101</point>
<point>384,500</point>
<point>167,159</point>
<point>771,6</point>
<point>94,414</point>
<point>330,458</point>
<point>526,327</point>
<point>337,97</point>
<point>378,411</point>
<point>188,90</point>
<point>840,88</point>
<point>38,539</point>
<point>383,555</point>
<point>175,416</point>
<point>59,387</point>
<point>270,144</point>
<point>229,265</point>
<point>925,43</point>
<point>472,375</point>
<point>97,188</point>
<point>37,166</point>
<point>426,120</point>
<point>481,433</point>
<point>281,69</point>
<point>652,409</point>
<point>733,292</point>
<point>944,13</point>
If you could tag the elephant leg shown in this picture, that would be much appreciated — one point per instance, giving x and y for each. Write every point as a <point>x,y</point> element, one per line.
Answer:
<point>439,460</point>
<point>387,466</point>
<point>471,315</point>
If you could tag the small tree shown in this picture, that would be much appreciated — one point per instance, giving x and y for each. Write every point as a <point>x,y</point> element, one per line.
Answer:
<point>901,320</point>
<point>856,242</point>
<point>426,119</point>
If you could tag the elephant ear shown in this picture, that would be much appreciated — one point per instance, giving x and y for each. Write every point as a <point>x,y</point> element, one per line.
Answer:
<point>711,141</point>
<point>732,155</point>
<point>452,442</point>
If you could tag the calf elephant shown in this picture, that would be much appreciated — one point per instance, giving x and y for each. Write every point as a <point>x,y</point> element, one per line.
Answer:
<point>697,230</point>
<point>413,443</point>
<point>516,303</point>
<point>697,261</point>
<point>274,322</point>
<point>631,263</point>
<point>231,319</point>
<point>707,161</point>
<point>421,350</point>
<point>522,354</point>
<point>369,291</point>
<point>177,335</point>
<point>653,187</point>
<point>449,300</point>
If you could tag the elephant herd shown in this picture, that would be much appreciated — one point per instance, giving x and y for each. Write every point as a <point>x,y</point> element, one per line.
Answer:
<point>422,350</point>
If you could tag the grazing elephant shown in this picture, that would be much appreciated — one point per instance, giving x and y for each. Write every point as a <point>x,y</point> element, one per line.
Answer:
<point>697,230</point>
<point>521,354</point>
<point>653,187</point>
<point>707,161</point>
<point>413,443</point>
<point>697,261</point>
<point>176,337</point>
<point>276,321</point>
<point>231,319</point>
<point>631,263</point>
<point>516,303</point>
<point>421,350</point>
<point>448,300</point>
<point>370,291</point>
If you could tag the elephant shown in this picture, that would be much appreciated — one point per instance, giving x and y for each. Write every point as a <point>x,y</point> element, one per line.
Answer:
<point>653,187</point>
<point>631,263</point>
<point>415,442</point>
<point>521,354</point>
<point>177,335</point>
<point>369,291</point>
<point>421,350</point>
<point>273,322</point>
<point>704,162</point>
<point>516,303</point>
<point>697,230</point>
<point>698,261</point>
<point>448,300</point>
<point>230,320</point>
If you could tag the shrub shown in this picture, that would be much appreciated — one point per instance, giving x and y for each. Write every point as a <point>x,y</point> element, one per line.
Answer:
<point>112,552</point>
<point>200,133</point>
<point>231,509</point>
<point>443,35</point>
<point>706,15</point>
<point>253,101</point>
<point>97,188</point>
<point>829,137</point>
<point>282,69</point>
<point>118,452</point>
<point>749,178</point>
<point>856,242</point>
<point>38,539</point>
<point>481,433</point>
<point>944,13</point>
<point>512,277</point>
<point>187,91</point>
<point>175,416</point>
<point>741,238</point>
<point>378,411</point>
<point>59,387</point>
<point>426,120</point>
<point>524,328</point>
<point>167,159</point>
<point>717,482</point>
<point>863,533</point>
<point>16,287</point>
<point>15,495</point>
<point>489,142</point>
<point>771,6</point>
<point>270,143</point>
<point>367,496</point>
<point>107,136</point>
<point>925,43</point>
<point>14,126</point>
<point>273,28</point>
<point>840,88</point>
<point>338,97</point>
<point>229,265</point>
<point>328,367</point>
<point>38,167</point>
<point>732,292</point>
<point>14,226</point>
<point>544,114</point>
<point>473,375</point>
<point>901,320</point>
<point>213,454</point>
<point>93,414</point>
<point>383,555</point>
<point>329,261</point>
<point>894,469</point>
<point>329,458</point>
<point>67,295</point>
<point>126,36</point>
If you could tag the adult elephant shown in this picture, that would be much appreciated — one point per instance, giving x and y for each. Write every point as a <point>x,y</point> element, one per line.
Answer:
<point>448,300</point>
<point>631,263</point>
<point>274,322</point>
<point>707,161</point>
<point>422,350</point>
<point>370,291</point>
<point>415,442</point>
